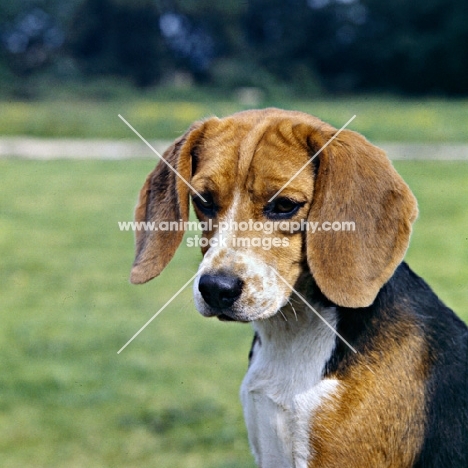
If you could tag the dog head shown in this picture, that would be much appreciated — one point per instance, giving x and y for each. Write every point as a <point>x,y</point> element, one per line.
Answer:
<point>255,168</point>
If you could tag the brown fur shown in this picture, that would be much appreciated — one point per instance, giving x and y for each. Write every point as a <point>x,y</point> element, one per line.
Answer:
<point>377,419</point>
<point>356,182</point>
<point>163,197</point>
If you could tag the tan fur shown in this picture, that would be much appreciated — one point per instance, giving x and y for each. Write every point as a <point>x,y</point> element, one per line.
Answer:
<point>163,197</point>
<point>377,418</point>
<point>356,182</point>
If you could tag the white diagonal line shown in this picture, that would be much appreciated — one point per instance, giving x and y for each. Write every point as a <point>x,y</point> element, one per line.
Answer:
<point>312,158</point>
<point>160,157</point>
<point>316,313</point>
<point>157,313</point>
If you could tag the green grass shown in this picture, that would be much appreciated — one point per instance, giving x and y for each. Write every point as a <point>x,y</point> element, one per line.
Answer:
<point>439,245</point>
<point>170,399</point>
<point>156,116</point>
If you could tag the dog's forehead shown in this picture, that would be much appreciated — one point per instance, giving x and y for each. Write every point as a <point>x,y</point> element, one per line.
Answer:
<point>254,147</point>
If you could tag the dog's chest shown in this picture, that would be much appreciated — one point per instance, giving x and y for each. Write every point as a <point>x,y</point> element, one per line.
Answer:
<point>284,386</point>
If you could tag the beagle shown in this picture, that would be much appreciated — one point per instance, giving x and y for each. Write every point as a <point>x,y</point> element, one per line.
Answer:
<point>355,361</point>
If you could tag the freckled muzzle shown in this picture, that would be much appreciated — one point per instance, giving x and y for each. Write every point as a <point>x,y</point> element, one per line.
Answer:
<point>233,297</point>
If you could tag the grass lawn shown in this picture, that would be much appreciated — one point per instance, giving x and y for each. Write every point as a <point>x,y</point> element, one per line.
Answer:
<point>170,399</point>
<point>378,118</point>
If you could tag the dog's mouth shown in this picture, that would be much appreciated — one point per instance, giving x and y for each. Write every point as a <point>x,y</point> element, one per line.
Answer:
<point>224,315</point>
<point>228,318</point>
<point>231,315</point>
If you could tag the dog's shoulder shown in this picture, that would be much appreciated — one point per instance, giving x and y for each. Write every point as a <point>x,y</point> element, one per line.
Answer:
<point>413,355</point>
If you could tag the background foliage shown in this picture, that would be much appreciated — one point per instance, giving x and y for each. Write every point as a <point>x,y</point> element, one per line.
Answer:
<point>415,47</point>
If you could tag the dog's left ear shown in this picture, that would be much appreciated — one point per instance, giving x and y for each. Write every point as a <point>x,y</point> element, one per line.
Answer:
<point>164,197</point>
<point>355,181</point>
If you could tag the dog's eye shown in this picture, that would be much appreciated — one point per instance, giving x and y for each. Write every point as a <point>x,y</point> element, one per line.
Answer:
<point>282,208</point>
<point>206,204</point>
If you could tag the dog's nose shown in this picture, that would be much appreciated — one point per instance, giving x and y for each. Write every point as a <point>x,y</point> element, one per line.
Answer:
<point>220,291</point>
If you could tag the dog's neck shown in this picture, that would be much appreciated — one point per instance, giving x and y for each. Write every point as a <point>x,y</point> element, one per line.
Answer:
<point>285,384</point>
<point>299,315</point>
<point>299,329</point>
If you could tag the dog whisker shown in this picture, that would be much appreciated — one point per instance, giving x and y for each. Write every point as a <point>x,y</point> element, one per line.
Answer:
<point>292,307</point>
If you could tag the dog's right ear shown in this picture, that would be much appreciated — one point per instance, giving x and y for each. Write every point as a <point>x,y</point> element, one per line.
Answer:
<point>164,197</point>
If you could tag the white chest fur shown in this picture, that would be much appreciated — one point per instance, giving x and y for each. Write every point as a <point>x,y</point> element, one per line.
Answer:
<point>284,386</point>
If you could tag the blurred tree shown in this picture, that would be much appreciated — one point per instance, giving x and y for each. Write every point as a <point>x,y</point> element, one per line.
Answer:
<point>205,30</point>
<point>118,37</point>
<point>146,40</point>
<point>350,45</point>
<point>277,33</point>
<point>415,47</point>
<point>30,35</point>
